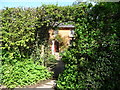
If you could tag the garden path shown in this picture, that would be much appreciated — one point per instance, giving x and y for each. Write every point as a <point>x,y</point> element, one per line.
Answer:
<point>50,85</point>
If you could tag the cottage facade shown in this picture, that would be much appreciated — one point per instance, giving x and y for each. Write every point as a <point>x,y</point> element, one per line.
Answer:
<point>66,33</point>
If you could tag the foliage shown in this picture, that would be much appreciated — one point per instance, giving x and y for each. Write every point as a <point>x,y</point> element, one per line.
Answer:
<point>92,62</point>
<point>25,30</point>
<point>50,61</point>
<point>25,36</point>
<point>23,73</point>
<point>62,42</point>
<point>95,50</point>
<point>68,79</point>
<point>18,30</point>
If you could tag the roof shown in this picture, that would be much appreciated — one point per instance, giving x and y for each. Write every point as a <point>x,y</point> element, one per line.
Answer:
<point>64,25</point>
<point>67,26</point>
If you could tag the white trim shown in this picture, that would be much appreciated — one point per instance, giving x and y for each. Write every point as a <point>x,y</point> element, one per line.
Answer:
<point>53,47</point>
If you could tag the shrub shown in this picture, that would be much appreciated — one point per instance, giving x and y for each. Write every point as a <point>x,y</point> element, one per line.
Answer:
<point>67,80</point>
<point>95,50</point>
<point>23,73</point>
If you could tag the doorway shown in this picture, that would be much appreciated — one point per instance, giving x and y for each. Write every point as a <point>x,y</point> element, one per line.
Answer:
<point>56,46</point>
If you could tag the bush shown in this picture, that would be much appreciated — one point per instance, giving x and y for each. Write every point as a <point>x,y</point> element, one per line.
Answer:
<point>23,73</point>
<point>67,80</point>
<point>95,52</point>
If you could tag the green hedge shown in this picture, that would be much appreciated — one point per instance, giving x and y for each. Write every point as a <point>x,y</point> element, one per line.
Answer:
<point>24,34</point>
<point>95,52</point>
<point>24,30</point>
<point>92,62</point>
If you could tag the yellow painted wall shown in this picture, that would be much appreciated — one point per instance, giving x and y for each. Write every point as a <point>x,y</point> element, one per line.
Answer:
<point>63,32</point>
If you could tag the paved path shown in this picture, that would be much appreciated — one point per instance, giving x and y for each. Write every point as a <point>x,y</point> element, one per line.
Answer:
<point>58,69</point>
<point>49,85</point>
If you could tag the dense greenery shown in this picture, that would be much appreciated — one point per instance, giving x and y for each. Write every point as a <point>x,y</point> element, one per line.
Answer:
<point>23,73</point>
<point>25,30</point>
<point>25,37</point>
<point>93,61</point>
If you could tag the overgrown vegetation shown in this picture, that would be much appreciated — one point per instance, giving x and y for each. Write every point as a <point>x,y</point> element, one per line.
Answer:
<point>23,73</point>
<point>93,61</point>
<point>25,37</point>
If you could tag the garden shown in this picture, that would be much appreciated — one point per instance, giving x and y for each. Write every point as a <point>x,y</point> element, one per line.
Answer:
<point>91,62</point>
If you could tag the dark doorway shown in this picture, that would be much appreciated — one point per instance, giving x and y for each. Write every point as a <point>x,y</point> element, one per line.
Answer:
<point>56,46</point>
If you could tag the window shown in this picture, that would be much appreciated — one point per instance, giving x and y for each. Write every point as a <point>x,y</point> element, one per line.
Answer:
<point>56,32</point>
<point>72,32</point>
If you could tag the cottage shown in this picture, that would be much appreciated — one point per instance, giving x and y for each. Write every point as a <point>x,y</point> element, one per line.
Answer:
<point>61,38</point>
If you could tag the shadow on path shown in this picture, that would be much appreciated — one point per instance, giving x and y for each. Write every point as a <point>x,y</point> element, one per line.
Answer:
<point>58,69</point>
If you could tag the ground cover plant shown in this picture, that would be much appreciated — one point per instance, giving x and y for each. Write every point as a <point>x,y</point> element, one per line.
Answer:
<point>23,73</point>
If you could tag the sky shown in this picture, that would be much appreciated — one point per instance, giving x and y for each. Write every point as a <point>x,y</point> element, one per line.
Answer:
<point>32,3</point>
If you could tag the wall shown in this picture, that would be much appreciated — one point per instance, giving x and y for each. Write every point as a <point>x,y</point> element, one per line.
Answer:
<point>64,33</point>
